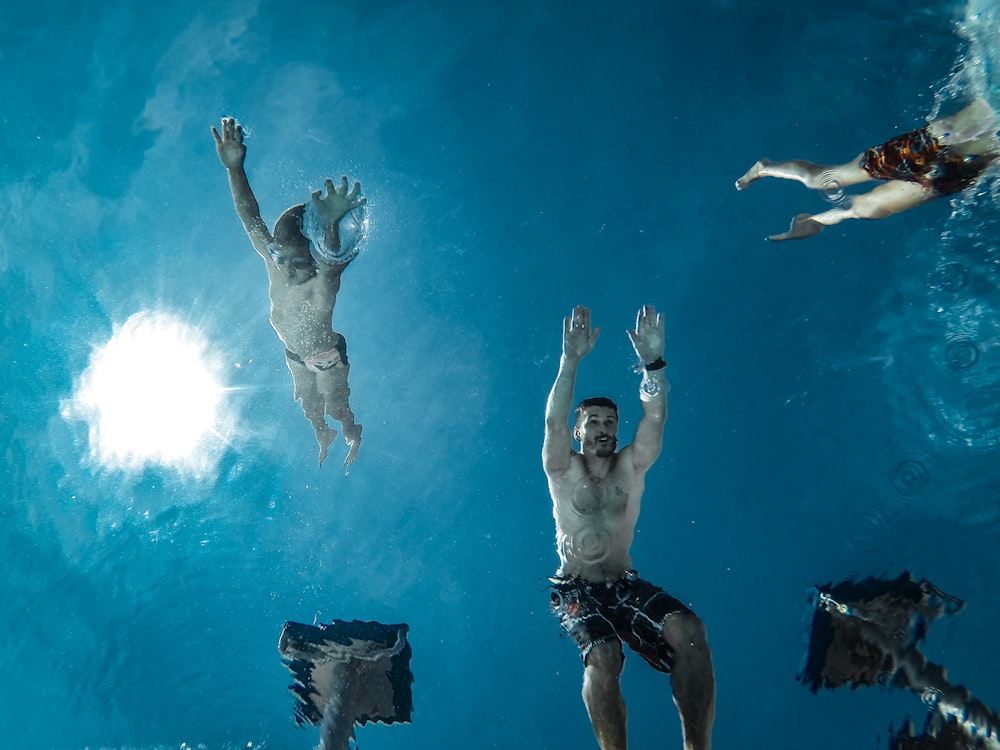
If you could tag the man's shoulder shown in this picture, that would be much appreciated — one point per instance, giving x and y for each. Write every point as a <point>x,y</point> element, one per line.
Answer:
<point>573,465</point>
<point>625,450</point>
<point>623,463</point>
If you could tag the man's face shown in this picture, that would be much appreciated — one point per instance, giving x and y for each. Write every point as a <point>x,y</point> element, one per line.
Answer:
<point>598,431</point>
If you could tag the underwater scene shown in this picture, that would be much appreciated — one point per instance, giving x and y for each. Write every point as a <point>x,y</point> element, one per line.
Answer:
<point>230,521</point>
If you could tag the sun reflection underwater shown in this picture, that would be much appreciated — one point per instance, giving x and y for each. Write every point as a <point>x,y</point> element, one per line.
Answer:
<point>152,395</point>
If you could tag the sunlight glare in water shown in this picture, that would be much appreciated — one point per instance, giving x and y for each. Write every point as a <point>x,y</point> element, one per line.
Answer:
<point>149,396</point>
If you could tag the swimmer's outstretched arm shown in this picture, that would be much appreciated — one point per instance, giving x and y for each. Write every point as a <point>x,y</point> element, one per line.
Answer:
<point>334,207</point>
<point>232,153</point>
<point>578,341</point>
<point>648,341</point>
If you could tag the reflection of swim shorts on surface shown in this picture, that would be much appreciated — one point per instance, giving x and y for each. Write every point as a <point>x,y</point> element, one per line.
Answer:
<point>628,610</point>
<point>861,628</point>
<point>917,157</point>
<point>324,360</point>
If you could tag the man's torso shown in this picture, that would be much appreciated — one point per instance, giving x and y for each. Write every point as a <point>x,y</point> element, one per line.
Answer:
<point>595,518</point>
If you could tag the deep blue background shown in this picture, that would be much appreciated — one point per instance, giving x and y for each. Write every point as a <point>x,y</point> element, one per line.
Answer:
<point>518,160</point>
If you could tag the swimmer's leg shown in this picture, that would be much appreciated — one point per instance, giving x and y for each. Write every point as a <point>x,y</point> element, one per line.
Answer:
<point>335,392</point>
<point>812,175</point>
<point>692,678</point>
<point>313,405</point>
<point>887,199</point>
<point>803,225</point>
<point>602,695</point>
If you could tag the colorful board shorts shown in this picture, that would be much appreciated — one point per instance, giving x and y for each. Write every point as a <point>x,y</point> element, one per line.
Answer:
<point>917,157</point>
<point>629,610</point>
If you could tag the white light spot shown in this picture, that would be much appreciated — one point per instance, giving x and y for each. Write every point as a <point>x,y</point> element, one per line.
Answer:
<point>149,396</point>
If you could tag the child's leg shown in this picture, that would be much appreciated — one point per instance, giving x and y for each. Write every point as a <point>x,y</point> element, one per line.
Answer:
<point>313,404</point>
<point>333,386</point>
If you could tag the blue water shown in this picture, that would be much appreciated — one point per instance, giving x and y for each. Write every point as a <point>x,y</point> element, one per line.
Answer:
<point>518,160</point>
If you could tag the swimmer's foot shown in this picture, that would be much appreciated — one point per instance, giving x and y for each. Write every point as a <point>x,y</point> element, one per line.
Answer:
<point>803,226</point>
<point>352,436</point>
<point>753,174</point>
<point>325,437</point>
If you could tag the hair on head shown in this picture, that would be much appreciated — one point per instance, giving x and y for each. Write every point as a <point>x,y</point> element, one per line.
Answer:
<point>595,401</point>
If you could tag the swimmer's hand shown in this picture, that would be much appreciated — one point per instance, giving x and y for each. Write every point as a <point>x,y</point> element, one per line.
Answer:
<point>338,201</point>
<point>647,338</point>
<point>229,145</point>
<point>578,337</point>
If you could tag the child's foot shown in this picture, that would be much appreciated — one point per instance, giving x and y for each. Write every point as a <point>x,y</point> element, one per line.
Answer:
<point>325,437</point>
<point>352,435</point>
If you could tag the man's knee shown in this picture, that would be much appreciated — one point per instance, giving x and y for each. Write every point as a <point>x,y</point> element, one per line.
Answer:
<point>685,630</point>
<point>604,660</point>
<point>602,678</point>
<point>865,207</point>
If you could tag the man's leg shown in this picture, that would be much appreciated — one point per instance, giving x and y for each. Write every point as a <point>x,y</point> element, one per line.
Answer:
<point>313,404</point>
<point>887,199</point>
<point>602,695</point>
<point>812,175</point>
<point>692,678</point>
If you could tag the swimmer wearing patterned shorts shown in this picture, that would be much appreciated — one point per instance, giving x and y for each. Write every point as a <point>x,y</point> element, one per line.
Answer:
<point>918,157</point>
<point>629,610</point>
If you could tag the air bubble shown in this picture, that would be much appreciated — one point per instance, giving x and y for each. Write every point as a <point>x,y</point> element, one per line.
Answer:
<point>949,277</point>
<point>589,545</point>
<point>961,354</point>
<point>831,188</point>
<point>910,476</point>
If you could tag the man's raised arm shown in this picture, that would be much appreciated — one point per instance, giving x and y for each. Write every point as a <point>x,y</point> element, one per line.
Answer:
<point>232,152</point>
<point>578,341</point>
<point>647,340</point>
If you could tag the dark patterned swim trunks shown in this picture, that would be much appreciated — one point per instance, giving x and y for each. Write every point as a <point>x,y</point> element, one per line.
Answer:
<point>917,157</point>
<point>629,610</point>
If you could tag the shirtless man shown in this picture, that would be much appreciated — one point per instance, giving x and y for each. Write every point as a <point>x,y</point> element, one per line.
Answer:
<point>944,157</point>
<point>600,600</point>
<point>304,261</point>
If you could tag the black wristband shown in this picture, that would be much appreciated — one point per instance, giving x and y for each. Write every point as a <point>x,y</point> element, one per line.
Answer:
<point>657,364</point>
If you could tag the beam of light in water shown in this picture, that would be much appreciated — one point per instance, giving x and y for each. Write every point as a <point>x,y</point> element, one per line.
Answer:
<point>150,396</point>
